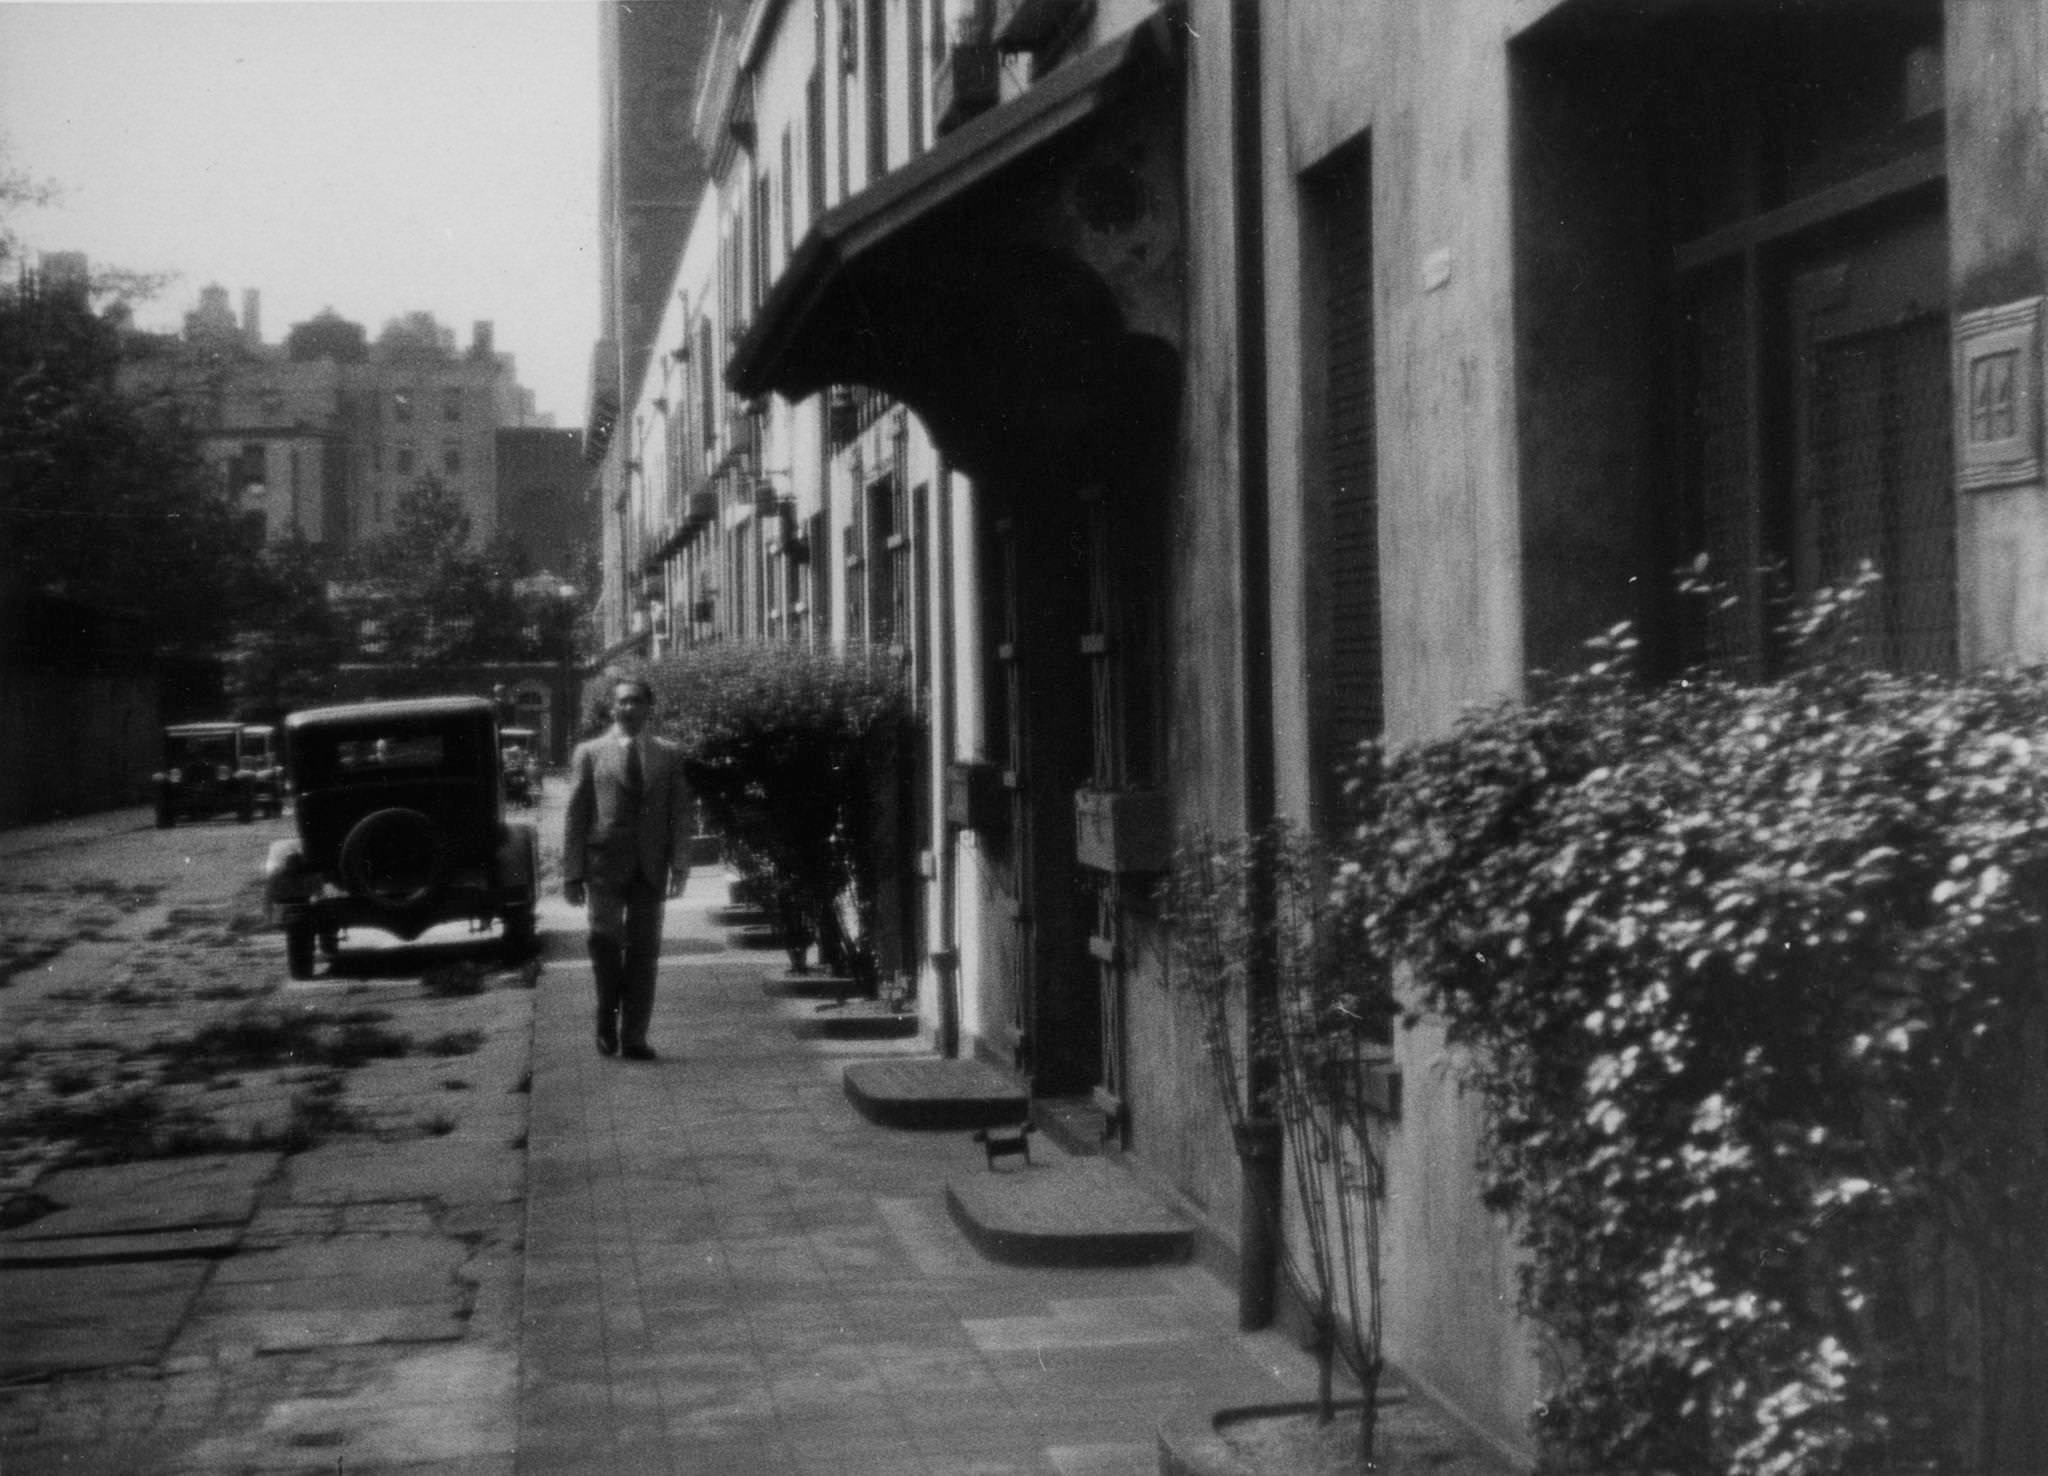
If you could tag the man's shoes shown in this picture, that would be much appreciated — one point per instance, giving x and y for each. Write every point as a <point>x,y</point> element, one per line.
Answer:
<point>641,1052</point>
<point>607,1045</point>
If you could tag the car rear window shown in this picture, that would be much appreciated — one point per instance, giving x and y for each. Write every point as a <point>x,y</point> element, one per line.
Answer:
<point>202,747</point>
<point>399,753</point>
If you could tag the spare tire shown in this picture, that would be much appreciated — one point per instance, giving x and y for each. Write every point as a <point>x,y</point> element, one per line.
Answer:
<point>394,857</point>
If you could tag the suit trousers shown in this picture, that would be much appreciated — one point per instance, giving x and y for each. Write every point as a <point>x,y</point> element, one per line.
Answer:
<point>625,946</point>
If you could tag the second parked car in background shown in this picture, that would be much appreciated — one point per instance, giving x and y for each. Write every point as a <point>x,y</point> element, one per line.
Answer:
<point>203,774</point>
<point>522,764</point>
<point>260,756</point>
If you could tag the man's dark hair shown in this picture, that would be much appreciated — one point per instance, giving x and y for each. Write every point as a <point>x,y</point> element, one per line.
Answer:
<point>646,687</point>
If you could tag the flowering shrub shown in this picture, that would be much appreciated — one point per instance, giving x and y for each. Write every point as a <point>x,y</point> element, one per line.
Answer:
<point>1750,981</point>
<point>784,746</point>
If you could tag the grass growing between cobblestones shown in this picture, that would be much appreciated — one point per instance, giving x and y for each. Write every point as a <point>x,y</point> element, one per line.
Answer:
<point>74,1105</point>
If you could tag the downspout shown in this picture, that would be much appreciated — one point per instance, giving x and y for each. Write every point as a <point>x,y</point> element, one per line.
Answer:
<point>946,958</point>
<point>1259,1149</point>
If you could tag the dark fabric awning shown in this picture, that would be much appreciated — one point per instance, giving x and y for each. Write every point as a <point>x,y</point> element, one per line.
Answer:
<point>943,283</point>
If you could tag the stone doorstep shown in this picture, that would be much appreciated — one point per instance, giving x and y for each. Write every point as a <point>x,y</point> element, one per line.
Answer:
<point>812,984</point>
<point>1067,1212</point>
<point>934,1093</point>
<point>860,1019</point>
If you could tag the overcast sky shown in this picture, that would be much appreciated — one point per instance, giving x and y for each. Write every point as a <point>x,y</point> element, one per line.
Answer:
<point>373,156</point>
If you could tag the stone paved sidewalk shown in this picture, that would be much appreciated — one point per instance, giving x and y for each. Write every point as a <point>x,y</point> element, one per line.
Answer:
<point>730,1271</point>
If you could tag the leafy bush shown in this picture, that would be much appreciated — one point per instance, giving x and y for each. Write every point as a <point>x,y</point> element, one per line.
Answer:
<point>1750,978</point>
<point>785,747</point>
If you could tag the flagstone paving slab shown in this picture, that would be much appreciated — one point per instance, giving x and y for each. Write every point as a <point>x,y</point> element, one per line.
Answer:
<point>85,1317</point>
<point>155,1195</point>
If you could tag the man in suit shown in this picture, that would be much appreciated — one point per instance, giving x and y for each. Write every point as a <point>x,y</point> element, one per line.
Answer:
<point>626,848</point>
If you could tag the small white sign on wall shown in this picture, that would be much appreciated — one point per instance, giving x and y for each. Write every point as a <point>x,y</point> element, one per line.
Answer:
<point>1998,395</point>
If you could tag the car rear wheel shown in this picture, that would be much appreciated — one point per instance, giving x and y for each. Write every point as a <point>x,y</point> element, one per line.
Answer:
<point>298,950</point>
<point>166,817</point>
<point>519,933</point>
<point>394,857</point>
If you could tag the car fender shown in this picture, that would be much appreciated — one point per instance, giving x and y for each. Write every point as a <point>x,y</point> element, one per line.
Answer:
<point>285,877</point>
<point>518,858</point>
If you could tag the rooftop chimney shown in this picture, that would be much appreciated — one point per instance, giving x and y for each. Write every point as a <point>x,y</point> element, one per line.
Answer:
<point>482,338</point>
<point>252,316</point>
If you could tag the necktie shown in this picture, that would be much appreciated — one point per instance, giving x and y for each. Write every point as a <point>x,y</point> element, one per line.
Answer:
<point>635,778</point>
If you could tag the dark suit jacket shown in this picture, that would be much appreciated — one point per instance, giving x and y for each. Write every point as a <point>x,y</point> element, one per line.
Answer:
<point>604,841</point>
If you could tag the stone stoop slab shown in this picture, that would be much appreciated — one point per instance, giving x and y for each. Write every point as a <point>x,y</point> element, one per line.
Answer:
<point>935,1094</point>
<point>858,1019</point>
<point>1068,1212</point>
<point>811,984</point>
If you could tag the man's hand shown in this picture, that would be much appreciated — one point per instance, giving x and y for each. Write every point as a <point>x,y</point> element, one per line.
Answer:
<point>572,893</point>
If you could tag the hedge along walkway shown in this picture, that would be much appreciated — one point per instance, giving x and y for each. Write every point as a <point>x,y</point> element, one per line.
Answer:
<point>729,1270</point>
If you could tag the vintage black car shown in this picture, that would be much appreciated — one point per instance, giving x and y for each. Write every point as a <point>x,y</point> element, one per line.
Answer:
<point>520,747</point>
<point>203,774</point>
<point>262,758</point>
<point>401,827</point>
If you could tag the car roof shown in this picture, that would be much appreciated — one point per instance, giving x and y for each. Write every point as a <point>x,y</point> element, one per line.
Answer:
<point>196,730</point>
<point>258,728</point>
<point>401,709</point>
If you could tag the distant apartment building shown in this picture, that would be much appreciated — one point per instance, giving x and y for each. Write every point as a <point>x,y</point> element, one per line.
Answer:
<point>545,506</point>
<point>322,435</point>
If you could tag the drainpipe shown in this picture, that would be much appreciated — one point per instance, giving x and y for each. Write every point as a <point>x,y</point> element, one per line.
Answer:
<point>1259,1143</point>
<point>946,959</point>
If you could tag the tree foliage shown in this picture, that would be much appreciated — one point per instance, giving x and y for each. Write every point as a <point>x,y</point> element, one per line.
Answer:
<point>434,599</point>
<point>104,497</point>
<point>1749,978</point>
<point>289,639</point>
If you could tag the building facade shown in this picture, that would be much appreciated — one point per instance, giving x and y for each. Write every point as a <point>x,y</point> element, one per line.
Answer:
<point>1183,393</point>
<point>320,436</point>
<point>545,506</point>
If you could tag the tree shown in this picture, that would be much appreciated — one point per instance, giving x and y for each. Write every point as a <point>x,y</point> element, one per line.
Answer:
<point>437,601</point>
<point>290,639</point>
<point>104,497</point>
<point>417,336</point>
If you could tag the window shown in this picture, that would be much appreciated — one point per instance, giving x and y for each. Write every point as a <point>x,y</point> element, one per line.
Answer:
<point>451,403</point>
<point>249,472</point>
<point>788,194</point>
<point>764,195</point>
<point>913,71</point>
<point>814,138</point>
<point>401,461</point>
<point>401,405</point>
<point>1339,450</point>
<point>876,22</point>
<point>451,458</point>
<point>886,557</point>
<point>1806,194</point>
